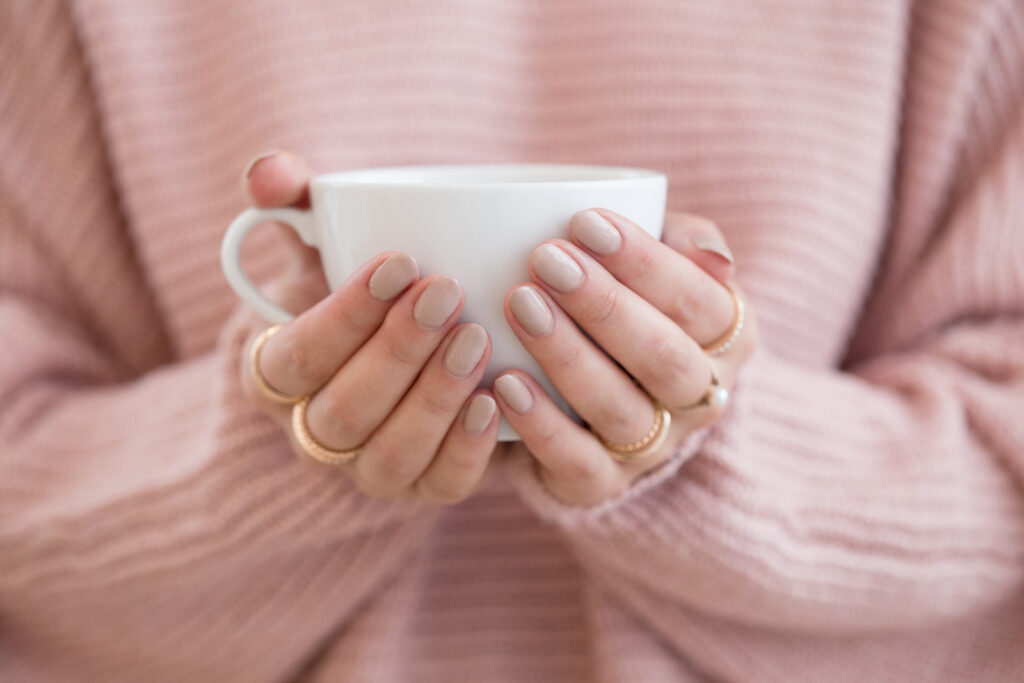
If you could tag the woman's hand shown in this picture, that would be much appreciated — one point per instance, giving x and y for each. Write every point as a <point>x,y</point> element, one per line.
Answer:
<point>387,366</point>
<point>648,308</point>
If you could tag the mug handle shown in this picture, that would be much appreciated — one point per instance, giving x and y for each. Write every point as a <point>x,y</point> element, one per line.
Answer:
<point>299,220</point>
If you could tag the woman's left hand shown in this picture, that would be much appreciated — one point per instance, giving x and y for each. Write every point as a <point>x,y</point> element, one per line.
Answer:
<point>616,301</point>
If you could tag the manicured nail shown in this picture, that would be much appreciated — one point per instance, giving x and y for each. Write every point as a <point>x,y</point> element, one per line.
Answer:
<point>514,393</point>
<point>392,277</point>
<point>557,268</point>
<point>437,303</point>
<point>530,310</point>
<point>479,414</point>
<point>712,246</point>
<point>596,233</point>
<point>252,164</point>
<point>466,350</point>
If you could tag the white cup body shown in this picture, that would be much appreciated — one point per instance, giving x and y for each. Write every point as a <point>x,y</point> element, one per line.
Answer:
<point>476,223</point>
<point>466,222</point>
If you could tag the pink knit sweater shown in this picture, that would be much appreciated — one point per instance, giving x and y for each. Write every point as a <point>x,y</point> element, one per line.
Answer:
<point>857,515</point>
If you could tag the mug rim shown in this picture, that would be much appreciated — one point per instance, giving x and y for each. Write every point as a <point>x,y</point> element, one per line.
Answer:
<point>376,177</point>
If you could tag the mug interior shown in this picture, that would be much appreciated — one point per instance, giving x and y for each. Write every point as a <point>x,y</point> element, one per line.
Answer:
<point>486,174</point>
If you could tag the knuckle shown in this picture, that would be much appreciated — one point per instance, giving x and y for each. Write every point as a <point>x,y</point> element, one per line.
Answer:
<point>444,490</point>
<point>438,405</point>
<point>299,359</point>
<point>401,352</point>
<point>543,438</point>
<point>351,320</point>
<point>338,424</point>
<point>581,469</point>
<point>388,469</point>
<point>611,419</point>
<point>639,266</point>
<point>567,358</point>
<point>667,365</point>
<point>602,308</point>
<point>690,301</point>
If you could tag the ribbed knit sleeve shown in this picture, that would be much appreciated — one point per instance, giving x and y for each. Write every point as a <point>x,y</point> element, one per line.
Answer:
<point>887,494</point>
<point>857,515</point>
<point>153,525</point>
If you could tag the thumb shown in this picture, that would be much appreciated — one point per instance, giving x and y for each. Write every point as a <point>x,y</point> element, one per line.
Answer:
<point>282,179</point>
<point>702,242</point>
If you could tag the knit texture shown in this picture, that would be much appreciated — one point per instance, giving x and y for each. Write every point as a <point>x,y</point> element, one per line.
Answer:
<point>857,515</point>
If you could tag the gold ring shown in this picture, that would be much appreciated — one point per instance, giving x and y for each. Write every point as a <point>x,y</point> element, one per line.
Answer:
<point>646,446</point>
<point>716,395</point>
<point>723,343</point>
<point>257,376</point>
<point>310,445</point>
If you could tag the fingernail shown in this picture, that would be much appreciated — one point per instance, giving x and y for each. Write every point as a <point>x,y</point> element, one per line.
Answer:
<point>252,164</point>
<point>392,277</point>
<point>514,392</point>
<point>557,268</point>
<point>531,311</point>
<point>596,233</point>
<point>437,303</point>
<point>479,414</point>
<point>466,350</point>
<point>712,246</point>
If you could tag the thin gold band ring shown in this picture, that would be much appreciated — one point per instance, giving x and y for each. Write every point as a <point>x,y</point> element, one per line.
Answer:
<point>257,376</point>
<point>649,444</point>
<point>308,442</point>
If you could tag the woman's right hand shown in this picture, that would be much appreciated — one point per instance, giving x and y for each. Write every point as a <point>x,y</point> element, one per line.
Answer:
<point>388,368</point>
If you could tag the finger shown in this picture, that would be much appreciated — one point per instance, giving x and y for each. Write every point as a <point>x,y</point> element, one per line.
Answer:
<point>293,293</point>
<point>573,464</point>
<point>651,347</point>
<point>700,240</point>
<point>672,283</point>
<point>462,460</point>
<point>403,446</point>
<point>277,179</point>
<point>310,349</point>
<point>297,290</point>
<point>282,179</point>
<point>596,388</point>
<point>281,413</point>
<point>367,388</point>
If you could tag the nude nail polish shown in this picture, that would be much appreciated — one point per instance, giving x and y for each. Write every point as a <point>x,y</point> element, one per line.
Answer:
<point>255,160</point>
<point>595,232</point>
<point>531,311</point>
<point>713,246</point>
<point>514,392</point>
<point>465,351</point>
<point>437,303</point>
<point>479,414</point>
<point>557,268</point>
<point>392,277</point>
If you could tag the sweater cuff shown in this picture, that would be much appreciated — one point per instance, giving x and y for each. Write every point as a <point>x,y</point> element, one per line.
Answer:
<point>522,471</point>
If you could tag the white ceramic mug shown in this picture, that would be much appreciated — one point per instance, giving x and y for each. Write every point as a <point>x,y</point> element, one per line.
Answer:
<point>476,223</point>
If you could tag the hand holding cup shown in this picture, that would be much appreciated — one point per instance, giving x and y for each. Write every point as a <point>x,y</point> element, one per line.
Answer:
<point>382,364</point>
